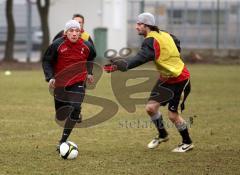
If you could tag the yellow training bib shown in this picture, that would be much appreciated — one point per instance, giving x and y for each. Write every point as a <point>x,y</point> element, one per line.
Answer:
<point>168,61</point>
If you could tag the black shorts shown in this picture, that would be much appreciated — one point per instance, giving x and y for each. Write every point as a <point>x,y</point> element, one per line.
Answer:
<point>68,101</point>
<point>171,94</point>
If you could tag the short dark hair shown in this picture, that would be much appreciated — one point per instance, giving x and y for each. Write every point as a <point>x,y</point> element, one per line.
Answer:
<point>78,15</point>
<point>153,28</point>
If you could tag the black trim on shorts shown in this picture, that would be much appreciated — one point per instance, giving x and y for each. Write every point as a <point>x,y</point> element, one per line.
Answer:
<point>68,101</point>
<point>170,94</point>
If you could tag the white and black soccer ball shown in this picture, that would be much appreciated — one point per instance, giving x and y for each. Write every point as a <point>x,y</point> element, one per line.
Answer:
<point>68,150</point>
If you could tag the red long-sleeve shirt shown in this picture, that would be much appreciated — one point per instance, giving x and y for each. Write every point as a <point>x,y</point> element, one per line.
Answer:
<point>68,62</point>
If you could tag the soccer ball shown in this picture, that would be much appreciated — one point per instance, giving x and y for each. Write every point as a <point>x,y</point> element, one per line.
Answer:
<point>68,150</point>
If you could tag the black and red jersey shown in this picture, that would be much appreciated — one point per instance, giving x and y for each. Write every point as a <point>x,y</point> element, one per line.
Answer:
<point>63,56</point>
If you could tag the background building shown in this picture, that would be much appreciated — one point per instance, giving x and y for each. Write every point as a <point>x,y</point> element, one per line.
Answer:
<point>200,24</point>
<point>110,14</point>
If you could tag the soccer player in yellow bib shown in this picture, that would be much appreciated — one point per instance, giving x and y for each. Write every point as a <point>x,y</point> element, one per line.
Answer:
<point>162,48</point>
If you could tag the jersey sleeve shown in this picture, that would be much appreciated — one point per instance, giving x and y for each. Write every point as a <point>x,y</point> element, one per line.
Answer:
<point>49,57</point>
<point>144,55</point>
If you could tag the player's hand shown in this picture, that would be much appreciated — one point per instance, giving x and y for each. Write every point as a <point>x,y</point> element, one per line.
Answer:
<point>110,68</point>
<point>90,79</point>
<point>120,63</point>
<point>51,83</point>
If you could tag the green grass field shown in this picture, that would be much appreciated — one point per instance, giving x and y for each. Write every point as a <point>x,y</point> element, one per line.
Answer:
<point>29,133</point>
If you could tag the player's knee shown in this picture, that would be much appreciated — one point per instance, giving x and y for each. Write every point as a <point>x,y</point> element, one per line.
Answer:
<point>151,109</point>
<point>173,116</point>
<point>75,113</point>
<point>172,119</point>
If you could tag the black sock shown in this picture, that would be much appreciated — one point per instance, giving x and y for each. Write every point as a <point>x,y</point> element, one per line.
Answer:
<point>162,133</point>
<point>158,122</point>
<point>185,136</point>
<point>68,127</point>
<point>65,134</point>
<point>183,130</point>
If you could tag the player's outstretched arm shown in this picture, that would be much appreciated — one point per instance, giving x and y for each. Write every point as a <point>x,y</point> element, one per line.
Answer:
<point>144,55</point>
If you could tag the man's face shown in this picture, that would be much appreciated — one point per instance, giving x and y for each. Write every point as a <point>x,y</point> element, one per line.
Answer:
<point>73,34</point>
<point>80,20</point>
<point>141,29</point>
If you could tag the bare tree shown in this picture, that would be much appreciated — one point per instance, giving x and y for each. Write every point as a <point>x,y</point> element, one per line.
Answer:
<point>9,46</point>
<point>43,9</point>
